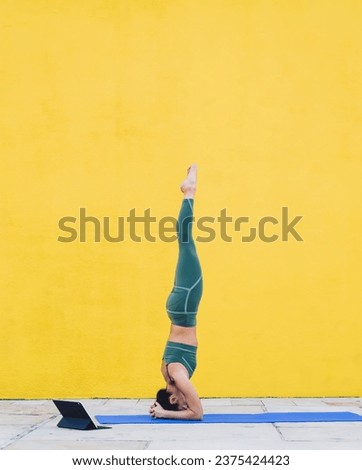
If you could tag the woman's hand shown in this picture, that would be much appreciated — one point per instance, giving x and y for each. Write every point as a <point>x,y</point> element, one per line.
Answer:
<point>156,411</point>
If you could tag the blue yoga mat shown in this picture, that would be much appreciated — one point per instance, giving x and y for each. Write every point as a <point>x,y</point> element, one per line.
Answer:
<point>298,417</point>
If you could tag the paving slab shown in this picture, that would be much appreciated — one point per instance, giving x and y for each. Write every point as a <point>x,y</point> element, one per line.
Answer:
<point>235,409</point>
<point>211,402</point>
<point>246,401</point>
<point>33,444</point>
<point>351,432</point>
<point>23,419</point>
<point>221,444</point>
<point>10,433</point>
<point>26,407</point>
<point>285,402</point>
<point>32,424</point>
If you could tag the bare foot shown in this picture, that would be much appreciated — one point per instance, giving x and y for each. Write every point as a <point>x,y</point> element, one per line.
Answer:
<point>188,186</point>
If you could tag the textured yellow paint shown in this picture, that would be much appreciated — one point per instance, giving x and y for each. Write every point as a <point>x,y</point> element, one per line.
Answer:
<point>103,106</point>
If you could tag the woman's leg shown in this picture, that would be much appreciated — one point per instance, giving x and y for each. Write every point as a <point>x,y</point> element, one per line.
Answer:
<point>188,269</point>
<point>186,294</point>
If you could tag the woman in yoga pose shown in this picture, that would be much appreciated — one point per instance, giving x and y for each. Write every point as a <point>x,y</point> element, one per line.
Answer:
<point>179,400</point>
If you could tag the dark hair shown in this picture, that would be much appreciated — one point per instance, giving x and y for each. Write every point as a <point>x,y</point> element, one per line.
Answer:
<point>163,398</point>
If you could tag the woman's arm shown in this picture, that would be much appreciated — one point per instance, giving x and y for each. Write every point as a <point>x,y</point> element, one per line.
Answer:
<point>159,412</point>
<point>194,409</point>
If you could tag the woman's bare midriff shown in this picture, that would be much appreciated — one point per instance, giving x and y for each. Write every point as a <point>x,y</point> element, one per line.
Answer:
<point>182,334</point>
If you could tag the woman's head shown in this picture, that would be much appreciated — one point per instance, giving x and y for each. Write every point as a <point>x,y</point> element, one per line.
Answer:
<point>163,398</point>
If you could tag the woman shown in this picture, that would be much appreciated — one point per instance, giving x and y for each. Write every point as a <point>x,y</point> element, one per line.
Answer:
<point>179,400</point>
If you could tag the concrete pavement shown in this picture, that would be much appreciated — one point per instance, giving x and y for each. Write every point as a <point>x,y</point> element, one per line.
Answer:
<point>32,424</point>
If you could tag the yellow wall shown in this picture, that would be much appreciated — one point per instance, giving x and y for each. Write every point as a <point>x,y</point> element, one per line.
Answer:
<point>104,103</point>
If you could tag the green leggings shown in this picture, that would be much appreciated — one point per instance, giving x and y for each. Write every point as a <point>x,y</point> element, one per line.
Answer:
<point>184,299</point>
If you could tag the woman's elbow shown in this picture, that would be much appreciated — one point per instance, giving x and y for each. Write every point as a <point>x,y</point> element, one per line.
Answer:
<point>197,416</point>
